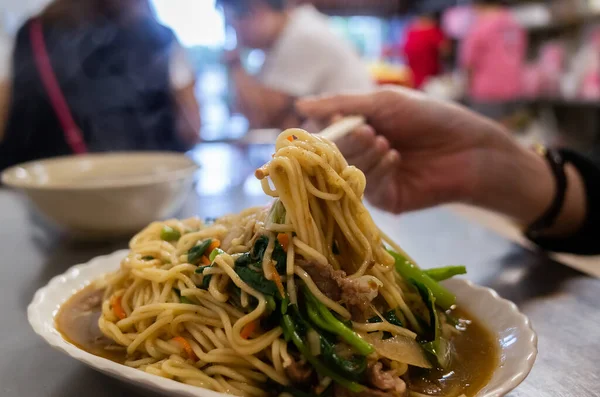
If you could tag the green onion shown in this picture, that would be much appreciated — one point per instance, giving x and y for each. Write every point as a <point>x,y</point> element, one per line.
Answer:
<point>169,234</point>
<point>271,304</point>
<point>147,258</point>
<point>444,273</point>
<point>408,270</point>
<point>216,252</point>
<point>195,254</point>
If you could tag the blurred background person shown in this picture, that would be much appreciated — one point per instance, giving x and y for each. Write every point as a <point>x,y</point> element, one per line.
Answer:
<point>125,79</point>
<point>493,57</point>
<point>302,57</point>
<point>424,48</point>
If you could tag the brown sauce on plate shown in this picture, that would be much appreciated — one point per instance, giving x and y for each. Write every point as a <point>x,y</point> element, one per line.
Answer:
<point>77,321</point>
<point>470,370</point>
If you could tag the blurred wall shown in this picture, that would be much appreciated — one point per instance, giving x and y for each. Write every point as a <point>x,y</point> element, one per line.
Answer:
<point>12,15</point>
<point>14,12</point>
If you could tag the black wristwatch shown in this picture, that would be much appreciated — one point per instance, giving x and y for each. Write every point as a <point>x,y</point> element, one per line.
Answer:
<point>548,219</point>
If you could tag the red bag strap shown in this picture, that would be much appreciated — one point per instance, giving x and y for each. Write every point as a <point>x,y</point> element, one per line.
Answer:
<point>73,134</point>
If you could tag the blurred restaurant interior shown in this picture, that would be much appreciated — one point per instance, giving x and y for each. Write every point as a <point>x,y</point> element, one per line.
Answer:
<point>557,102</point>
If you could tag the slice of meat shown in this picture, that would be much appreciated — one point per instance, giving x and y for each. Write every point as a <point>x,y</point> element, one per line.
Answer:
<point>325,277</point>
<point>385,380</point>
<point>357,293</point>
<point>299,371</point>
<point>339,391</point>
<point>360,290</point>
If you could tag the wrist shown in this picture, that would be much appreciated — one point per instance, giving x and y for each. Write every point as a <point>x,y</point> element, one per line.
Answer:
<point>520,183</point>
<point>514,181</point>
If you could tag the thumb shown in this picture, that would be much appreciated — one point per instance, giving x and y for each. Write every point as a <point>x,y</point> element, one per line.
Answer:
<point>325,107</point>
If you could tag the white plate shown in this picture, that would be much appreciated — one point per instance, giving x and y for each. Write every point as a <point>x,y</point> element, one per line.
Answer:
<point>516,339</point>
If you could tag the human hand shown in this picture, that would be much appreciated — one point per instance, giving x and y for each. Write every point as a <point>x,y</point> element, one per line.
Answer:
<point>427,152</point>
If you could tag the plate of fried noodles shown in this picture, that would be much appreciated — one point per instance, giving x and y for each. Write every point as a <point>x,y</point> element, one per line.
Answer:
<point>303,297</point>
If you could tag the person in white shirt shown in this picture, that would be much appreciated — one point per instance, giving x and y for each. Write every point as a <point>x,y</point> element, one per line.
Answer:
<point>302,57</point>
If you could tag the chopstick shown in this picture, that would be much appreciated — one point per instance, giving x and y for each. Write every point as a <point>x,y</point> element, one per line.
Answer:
<point>342,127</point>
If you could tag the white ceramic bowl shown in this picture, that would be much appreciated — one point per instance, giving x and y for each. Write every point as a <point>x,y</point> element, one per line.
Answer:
<point>105,194</point>
<point>516,340</point>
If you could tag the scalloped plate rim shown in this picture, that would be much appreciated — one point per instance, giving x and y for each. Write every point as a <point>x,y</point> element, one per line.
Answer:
<point>62,287</point>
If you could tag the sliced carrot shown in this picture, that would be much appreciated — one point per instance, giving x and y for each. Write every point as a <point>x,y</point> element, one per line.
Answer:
<point>284,240</point>
<point>205,260</point>
<point>249,329</point>
<point>215,244</point>
<point>277,280</point>
<point>290,138</point>
<point>117,307</point>
<point>187,348</point>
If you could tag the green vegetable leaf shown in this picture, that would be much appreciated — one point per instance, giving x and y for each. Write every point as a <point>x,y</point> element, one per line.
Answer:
<point>444,273</point>
<point>280,258</point>
<point>201,269</point>
<point>257,254</point>
<point>291,332</point>
<point>352,368</point>
<point>182,299</point>
<point>244,260</point>
<point>206,281</point>
<point>260,246</point>
<point>169,234</point>
<point>257,281</point>
<point>196,252</point>
<point>390,317</point>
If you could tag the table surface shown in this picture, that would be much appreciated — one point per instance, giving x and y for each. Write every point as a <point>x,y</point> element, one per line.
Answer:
<point>562,303</point>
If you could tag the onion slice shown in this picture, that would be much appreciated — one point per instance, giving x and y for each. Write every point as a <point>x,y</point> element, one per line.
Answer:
<point>398,348</point>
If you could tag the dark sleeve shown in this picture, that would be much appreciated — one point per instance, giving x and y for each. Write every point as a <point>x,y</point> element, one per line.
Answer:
<point>586,241</point>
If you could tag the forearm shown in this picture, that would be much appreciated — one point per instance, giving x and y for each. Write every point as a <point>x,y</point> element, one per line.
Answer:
<point>188,115</point>
<point>262,106</point>
<point>248,96</point>
<point>519,183</point>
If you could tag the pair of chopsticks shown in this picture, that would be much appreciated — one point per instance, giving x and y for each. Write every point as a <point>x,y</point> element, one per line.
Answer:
<point>342,127</point>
